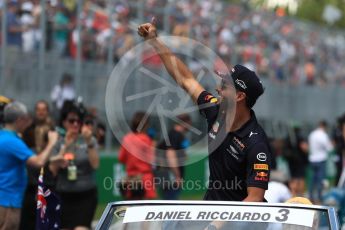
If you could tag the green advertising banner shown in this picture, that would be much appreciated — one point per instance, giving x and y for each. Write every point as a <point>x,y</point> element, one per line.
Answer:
<point>111,171</point>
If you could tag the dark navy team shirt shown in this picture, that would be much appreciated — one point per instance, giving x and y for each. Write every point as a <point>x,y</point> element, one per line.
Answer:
<point>179,143</point>
<point>237,160</point>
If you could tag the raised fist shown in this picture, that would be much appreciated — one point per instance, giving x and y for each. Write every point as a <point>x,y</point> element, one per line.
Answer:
<point>148,30</point>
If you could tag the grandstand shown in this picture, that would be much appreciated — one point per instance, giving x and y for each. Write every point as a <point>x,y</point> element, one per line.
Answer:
<point>300,63</point>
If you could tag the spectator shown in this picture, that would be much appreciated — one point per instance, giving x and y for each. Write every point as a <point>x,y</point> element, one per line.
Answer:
<point>36,135</point>
<point>77,153</point>
<point>310,70</point>
<point>339,140</point>
<point>27,20</point>
<point>297,157</point>
<point>61,27</point>
<point>319,146</point>
<point>278,191</point>
<point>14,25</point>
<point>99,128</point>
<point>36,138</point>
<point>173,159</point>
<point>123,42</point>
<point>15,154</point>
<point>137,154</point>
<point>63,92</point>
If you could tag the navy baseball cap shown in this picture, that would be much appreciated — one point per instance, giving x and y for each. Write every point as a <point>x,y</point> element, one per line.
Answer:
<point>245,81</point>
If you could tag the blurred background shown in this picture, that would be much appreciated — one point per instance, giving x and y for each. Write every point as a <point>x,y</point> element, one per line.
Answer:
<point>297,47</point>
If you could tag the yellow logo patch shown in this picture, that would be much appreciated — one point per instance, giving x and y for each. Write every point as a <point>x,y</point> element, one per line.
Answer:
<point>214,100</point>
<point>261,166</point>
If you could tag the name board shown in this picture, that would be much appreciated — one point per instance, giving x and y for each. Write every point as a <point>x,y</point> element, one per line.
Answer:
<point>303,217</point>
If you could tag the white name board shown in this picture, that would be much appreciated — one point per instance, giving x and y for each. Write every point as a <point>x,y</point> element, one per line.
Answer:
<point>301,217</point>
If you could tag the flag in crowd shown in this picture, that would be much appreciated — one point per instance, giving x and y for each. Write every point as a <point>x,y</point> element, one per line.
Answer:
<point>48,207</point>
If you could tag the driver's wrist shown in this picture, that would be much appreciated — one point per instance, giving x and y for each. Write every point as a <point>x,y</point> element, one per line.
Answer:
<point>152,41</point>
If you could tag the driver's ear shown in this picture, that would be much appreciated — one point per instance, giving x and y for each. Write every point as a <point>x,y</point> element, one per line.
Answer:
<point>240,96</point>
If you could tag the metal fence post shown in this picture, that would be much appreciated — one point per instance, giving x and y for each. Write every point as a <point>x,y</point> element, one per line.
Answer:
<point>3,45</point>
<point>79,49</point>
<point>42,46</point>
<point>108,133</point>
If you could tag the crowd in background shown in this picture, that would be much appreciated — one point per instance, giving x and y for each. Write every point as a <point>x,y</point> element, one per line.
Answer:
<point>277,47</point>
<point>69,159</point>
<point>147,157</point>
<point>311,164</point>
<point>61,34</point>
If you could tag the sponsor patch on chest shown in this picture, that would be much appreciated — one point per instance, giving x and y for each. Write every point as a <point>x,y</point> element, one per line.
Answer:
<point>239,144</point>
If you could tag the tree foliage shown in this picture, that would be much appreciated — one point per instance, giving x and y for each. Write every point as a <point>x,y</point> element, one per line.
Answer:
<point>310,10</point>
<point>313,10</point>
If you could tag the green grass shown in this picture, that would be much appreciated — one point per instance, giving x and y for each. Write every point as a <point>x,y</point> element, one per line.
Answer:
<point>99,211</point>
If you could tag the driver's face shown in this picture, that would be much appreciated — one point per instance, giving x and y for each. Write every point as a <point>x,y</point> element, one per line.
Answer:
<point>226,91</point>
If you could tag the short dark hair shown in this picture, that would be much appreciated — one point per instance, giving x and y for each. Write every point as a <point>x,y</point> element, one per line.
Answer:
<point>139,122</point>
<point>250,102</point>
<point>323,123</point>
<point>70,107</point>
<point>66,78</point>
<point>43,102</point>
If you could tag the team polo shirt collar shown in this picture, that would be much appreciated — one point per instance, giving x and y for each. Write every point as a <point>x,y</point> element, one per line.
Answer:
<point>249,126</point>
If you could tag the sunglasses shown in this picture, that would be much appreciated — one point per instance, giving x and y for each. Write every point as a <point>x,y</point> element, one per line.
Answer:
<point>224,84</point>
<point>88,122</point>
<point>74,120</point>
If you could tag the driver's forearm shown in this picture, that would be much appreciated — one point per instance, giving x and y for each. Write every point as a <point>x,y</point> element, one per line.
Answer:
<point>175,67</point>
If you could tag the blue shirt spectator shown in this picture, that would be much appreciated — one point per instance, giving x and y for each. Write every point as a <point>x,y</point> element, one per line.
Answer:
<point>15,155</point>
<point>14,27</point>
<point>13,179</point>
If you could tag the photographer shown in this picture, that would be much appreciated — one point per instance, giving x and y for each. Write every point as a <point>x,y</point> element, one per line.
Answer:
<point>77,154</point>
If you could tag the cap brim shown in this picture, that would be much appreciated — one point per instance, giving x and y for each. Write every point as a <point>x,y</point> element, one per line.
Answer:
<point>224,76</point>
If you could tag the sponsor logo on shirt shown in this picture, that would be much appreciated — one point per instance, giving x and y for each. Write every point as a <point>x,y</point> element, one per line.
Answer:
<point>261,157</point>
<point>233,149</point>
<point>210,98</point>
<point>252,133</point>
<point>238,143</point>
<point>261,176</point>
<point>261,166</point>
<point>233,154</point>
<point>214,100</point>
